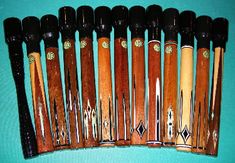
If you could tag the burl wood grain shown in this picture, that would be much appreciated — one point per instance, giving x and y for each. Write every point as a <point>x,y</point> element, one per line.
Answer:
<point>72,95</point>
<point>170,93</point>
<point>122,96</point>
<point>105,93</point>
<point>215,103</point>
<point>200,122</point>
<point>90,126</point>
<point>155,119</point>
<point>139,135</point>
<point>57,112</point>
<point>42,123</point>
<point>185,110</point>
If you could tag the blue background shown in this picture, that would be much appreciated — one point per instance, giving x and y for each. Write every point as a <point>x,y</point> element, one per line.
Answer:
<point>10,147</point>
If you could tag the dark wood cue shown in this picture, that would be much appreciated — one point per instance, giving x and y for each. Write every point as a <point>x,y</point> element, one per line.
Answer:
<point>50,35</point>
<point>220,37</point>
<point>122,96</point>
<point>137,27</point>
<point>170,28</point>
<point>67,25</point>
<point>32,38</point>
<point>155,118</point>
<point>185,110</point>
<point>85,25</point>
<point>200,121</point>
<point>13,38</point>
<point>103,28</point>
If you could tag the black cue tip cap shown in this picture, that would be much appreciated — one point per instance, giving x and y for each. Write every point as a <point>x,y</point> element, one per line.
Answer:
<point>49,27</point>
<point>31,29</point>
<point>154,16</point>
<point>171,20</point>
<point>203,27</point>
<point>13,30</point>
<point>220,32</point>
<point>137,19</point>
<point>103,22</point>
<point>67,21</point>
<point>187,22</point>
<point>120,17</point>
<point>85,21</point>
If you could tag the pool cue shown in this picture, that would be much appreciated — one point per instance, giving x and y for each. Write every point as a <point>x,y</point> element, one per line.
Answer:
<point>200,117</point>
<point>13,38</point>
<point>103,28</point>
<point>122,96</point>
<point>32,38</point>
<point>185,109</point>
<point>155,119</point>
<point>137,27</point>
<point>170,28</point>
<point>67,25</point>
<point>85,25</point>
<point>220,37</point>
<point>50,35</point>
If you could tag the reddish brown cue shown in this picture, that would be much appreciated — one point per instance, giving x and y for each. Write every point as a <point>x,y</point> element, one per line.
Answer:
<point>200,121</point>
<point>137,28</point>
<point>85,24</point>
<point>155,119</point>
<point>122,97</point>
<point>68,27</point>
<point>32,38</point>
<point>50,35</point>
<point>220,37</point>
<point>170,28</point>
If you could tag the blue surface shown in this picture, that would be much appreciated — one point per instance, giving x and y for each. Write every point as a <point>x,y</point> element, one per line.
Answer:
<point>10,148</point>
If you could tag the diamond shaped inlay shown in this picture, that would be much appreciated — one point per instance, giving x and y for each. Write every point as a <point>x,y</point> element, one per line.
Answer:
<point>140,129</point>
<point>185,134</point>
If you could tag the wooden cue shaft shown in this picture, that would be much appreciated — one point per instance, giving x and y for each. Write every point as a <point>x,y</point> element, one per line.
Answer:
<point>88,93</point>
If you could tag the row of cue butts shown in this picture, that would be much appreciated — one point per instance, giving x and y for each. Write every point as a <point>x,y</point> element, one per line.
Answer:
<point>180,120</point>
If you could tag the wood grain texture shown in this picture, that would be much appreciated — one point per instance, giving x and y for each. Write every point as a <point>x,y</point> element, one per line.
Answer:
<point>105,93</point>
<point>42,123</point>
<point>122,96</point>
<point>72,95</point>
<point>57,112</point>
<point>215,103</point>
<point>200,121</point>
<point>138,136</point>
<point>170,93</point>
<point>185,110</point>
<point>90,125</point>
<point>155,117</point>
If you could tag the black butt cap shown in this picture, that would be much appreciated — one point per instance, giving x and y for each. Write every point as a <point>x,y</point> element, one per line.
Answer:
<point>187,27</point>
<point>49,27</point>
<point>220,32</point>
<point>154,22</point>
<point>85,21</point>
<point>137,23</point>
<point>103,22</point>
<point>31,29</point>
<point>13,30</point>
<point>171,23</point>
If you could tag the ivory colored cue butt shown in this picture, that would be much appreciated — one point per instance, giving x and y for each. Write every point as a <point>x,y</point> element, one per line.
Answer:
<point>200,121</point>
<point>138,115</point>
<point>220,37</point>
<point>155,118</point>
<point>32,38</point>
<point>14,38</point>
<point>122,94</point>
<point>67,25</point>
<point>185,109</point>
<point>106,112</point>
<point>170,28</point>
<point>85,25</point>
<point>50,35</point>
